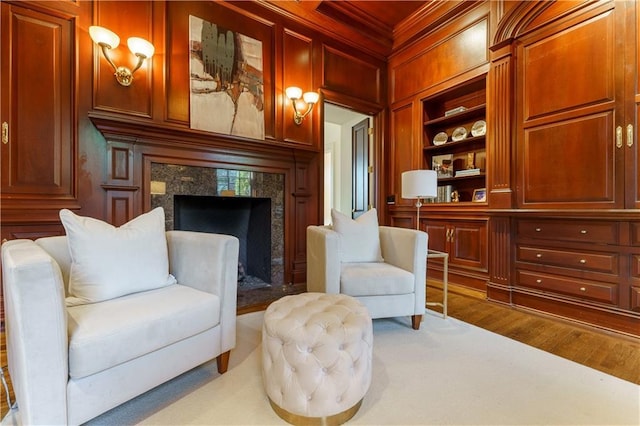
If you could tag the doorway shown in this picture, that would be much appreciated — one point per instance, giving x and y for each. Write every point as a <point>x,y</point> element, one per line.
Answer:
<point>347,189</point>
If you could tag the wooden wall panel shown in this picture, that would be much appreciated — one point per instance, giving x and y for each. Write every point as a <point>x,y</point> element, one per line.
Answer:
<point>500,261</point>
<point>501,194</point>
<point>120,206</point>
<point>129,19</point>
<point>298,66</point>
<point>445,54</point>
<point>404,151</point>
<point>38,159</point>
<point>586,49</point>
<point>339,70</point>
<point>555,157</point>
<point>119,163</point>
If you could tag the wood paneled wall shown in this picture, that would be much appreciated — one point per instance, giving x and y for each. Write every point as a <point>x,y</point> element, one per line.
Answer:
<point>109,132</point>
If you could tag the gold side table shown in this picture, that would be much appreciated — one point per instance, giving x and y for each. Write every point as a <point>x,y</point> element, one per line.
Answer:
<point>433,254</point>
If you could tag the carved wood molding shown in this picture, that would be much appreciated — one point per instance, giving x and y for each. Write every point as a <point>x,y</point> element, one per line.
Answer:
<point>523,18</point>
<point>144,132</point>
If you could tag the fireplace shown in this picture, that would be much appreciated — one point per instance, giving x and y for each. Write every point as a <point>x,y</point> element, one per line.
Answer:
<point>247,218</point>
<point>246,204</point>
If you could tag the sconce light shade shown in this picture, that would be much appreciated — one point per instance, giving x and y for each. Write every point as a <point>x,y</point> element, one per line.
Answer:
<point>419,184</point>
<point>101,36</point>
<point>108,40</point>
<point>140,47</point>
<point>293,93</point>
<point>309,98</point>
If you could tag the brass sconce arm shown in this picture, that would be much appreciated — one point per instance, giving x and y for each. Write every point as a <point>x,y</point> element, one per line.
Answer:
<point>108,40</point>
<point>310,99</point>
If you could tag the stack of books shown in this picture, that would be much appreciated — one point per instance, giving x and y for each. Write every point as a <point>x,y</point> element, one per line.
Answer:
<point>467,172</point>
<point>444,194</point>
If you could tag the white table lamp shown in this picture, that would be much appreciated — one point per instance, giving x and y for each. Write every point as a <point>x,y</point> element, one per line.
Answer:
<point>419,184</point>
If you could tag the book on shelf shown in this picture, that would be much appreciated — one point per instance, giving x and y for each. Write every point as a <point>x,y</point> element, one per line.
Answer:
<point>444,194</point>
<point>467,172</point>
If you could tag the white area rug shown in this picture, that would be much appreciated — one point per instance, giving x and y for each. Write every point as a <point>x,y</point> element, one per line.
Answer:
<point>448,372</point>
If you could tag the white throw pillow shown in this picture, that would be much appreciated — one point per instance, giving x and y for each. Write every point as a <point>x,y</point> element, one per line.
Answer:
<point>360,238</point>
<point>109,262</point>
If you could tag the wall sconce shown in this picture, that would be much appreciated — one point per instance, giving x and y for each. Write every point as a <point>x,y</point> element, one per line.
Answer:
<point>310,98</point>
<point>108,40</point>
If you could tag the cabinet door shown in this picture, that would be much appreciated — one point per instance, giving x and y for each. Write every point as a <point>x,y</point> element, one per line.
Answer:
<point>571,81</point>
<point>438,235</point>
<point>632,165</point>
<point>465,241</point>
<point>469,244</point>
<point>36,108</point>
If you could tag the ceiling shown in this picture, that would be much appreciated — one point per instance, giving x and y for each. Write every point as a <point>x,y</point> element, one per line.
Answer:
<point>372,21</point>
<point>386,13</point>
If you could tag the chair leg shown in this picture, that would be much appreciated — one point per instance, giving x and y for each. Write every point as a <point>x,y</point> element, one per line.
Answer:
<point>415,321</point>
<point>223,362</point>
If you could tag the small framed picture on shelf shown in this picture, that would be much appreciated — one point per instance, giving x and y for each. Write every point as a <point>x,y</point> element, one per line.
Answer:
<point>443,165</point>
<point>479,195</point>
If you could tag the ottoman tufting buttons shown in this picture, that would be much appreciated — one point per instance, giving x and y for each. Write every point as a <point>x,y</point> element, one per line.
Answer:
<point>325,325</point>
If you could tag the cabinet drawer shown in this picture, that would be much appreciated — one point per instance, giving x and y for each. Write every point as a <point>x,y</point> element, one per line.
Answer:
<point>601,292</point>
<point>589,232</point>
<point>599,262</point>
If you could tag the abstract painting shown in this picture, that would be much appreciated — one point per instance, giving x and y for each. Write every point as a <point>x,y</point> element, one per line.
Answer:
<point>227,89</point>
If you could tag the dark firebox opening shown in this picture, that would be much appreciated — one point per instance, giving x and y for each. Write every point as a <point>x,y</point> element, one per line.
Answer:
<point>247,218</point>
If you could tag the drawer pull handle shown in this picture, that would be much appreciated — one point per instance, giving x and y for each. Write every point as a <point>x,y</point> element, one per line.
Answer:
<point>538,229</point>
<point>539,255</point>
<point>538,281</point>
<point>583,231</point>
<point>583,289</point>
<point>583,261</point>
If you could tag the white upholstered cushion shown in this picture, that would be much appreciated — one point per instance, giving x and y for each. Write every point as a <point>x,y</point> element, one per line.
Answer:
<point>359,238</point>
<point>317,351</point>
<point>101,336</point>
<point>375,279</point>
<point>109,262</point>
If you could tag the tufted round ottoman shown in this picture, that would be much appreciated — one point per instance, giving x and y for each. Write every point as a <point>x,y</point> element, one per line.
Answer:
<point>316,357</point>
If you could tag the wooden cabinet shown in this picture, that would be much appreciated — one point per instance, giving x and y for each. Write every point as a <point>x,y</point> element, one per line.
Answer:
<point>563,111</point>
<point>465,241</point>
<point>454,133</point>
<point>578,268</point>
<point>37,81</point>
<point>576,120</point>
<point>577,259</point>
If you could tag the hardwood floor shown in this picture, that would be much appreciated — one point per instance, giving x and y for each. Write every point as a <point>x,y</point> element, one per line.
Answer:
<point>610,353</point>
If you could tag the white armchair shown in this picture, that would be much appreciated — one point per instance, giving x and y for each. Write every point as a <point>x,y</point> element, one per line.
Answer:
<point>392,288</point>
<point>69,364</point>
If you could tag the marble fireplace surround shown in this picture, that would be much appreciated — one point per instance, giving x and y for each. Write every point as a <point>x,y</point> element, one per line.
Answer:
<point>175,179</point>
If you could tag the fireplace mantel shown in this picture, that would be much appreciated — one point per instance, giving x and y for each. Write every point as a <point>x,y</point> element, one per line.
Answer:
<point>134,144</point>
<point>134,130</point>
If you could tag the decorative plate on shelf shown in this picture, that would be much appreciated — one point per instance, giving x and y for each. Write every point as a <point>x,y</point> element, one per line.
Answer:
<point>440,139</point>
<point>479,128</point>
<point>459,134</point>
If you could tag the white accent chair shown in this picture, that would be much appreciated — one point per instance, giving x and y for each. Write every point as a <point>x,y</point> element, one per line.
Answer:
<point>393,288</point>
<point>71,364</point>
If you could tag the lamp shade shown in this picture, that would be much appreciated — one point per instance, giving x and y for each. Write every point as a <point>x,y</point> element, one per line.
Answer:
<point>419,184</point>
<point>101,35</point>
<point>293,92</point>
<point>140,46</point>
<point>311,97</point>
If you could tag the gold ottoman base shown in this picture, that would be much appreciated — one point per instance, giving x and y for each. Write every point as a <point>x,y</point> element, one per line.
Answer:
<point>295,419</point>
